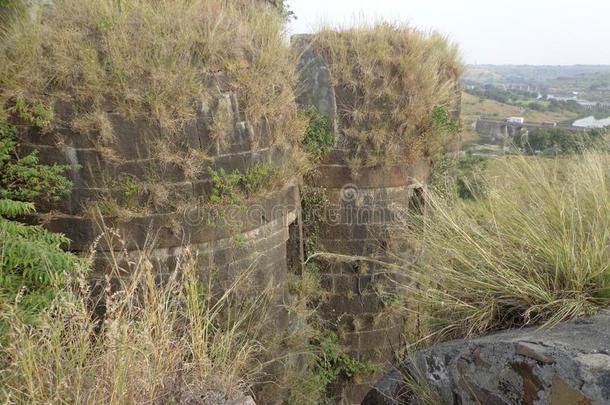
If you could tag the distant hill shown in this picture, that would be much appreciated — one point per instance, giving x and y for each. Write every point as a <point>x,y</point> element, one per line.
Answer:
<point>591,82</point>
<point>528,74</point>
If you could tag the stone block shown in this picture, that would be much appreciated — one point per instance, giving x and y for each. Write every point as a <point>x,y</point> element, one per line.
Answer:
<point>336,176</point>
<point>315,80</point>
<point>345,284</point>
<point>354,304</point>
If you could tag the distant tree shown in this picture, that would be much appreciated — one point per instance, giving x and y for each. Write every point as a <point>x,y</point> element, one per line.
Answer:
<point>536,106</point>
<point>284,9</point>
<point>559,141</point>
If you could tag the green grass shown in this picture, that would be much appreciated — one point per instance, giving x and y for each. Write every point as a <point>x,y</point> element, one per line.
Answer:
<point>533,250</point>
<point>474,107</point>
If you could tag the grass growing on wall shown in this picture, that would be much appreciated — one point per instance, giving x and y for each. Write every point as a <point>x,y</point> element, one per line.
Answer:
<point>389,79</point>
<point>163,60</point>
<point>532,250</point>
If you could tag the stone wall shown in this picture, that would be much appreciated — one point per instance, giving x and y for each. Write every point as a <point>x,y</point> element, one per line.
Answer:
<point>364,207</point>
<point>170,216</point>
<point>360,292</point>
<point>567,365</point>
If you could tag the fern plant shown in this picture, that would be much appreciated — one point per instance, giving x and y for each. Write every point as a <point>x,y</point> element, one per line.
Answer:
<point>33,265</point>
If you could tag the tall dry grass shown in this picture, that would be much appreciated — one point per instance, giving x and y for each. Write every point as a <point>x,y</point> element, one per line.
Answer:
<point>533,251</point>
<point>162,60</point>
<point>157,343</point>
<point>389,78</point>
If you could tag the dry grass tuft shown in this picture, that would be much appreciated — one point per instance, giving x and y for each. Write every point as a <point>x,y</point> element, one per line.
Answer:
<point>163,60</point>
<point>169,343</point>
<point>534,250</point>
<point>389,78</point>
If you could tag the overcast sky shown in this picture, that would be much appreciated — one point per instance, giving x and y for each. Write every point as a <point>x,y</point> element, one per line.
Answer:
<point>556,32</point>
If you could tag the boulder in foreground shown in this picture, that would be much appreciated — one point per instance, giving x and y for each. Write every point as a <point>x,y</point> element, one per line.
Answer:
<point>567,365</point>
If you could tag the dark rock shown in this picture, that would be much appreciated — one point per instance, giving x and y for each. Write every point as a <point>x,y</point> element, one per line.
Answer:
<point>568,364</point>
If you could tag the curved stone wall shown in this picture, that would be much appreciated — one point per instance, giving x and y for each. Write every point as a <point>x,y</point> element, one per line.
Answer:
<point>228,240</point>
<point>360,221</point>
<point>364,210</point>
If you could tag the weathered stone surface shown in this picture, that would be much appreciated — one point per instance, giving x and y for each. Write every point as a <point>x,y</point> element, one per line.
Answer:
<point>569,364</point>
<point>174,229</point>
<point>316,82</point>
<point>563,394</point>
<point>534,351</point>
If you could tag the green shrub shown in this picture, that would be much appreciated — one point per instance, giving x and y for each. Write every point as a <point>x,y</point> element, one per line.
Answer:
<point>130,189</point>
<point>314,205</point>
<point>33,265</point>
<point>559,141</point>
<point>335,363</point>
<point>37,115</point>
<point>224,188</point>
<point>319,138</point>
<point>256,177</point>
<point>442,120</point>
<point>230,188</point>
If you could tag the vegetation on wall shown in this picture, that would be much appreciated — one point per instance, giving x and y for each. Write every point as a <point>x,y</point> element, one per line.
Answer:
<point>232,187</point>
<point>188,53</point>
<point>389,80</point>
<point>335,363</point>
<point>319,138</point>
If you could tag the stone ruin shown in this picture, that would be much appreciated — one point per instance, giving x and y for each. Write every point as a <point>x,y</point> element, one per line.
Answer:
<point>168,233</point>
<point>184,226</point>
<point>566,365</point>
<point>365,208</point>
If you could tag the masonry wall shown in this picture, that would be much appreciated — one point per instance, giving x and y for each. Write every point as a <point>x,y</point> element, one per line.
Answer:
<point>364,210</point>
<point>361,292</point>
<point>248,239</point>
